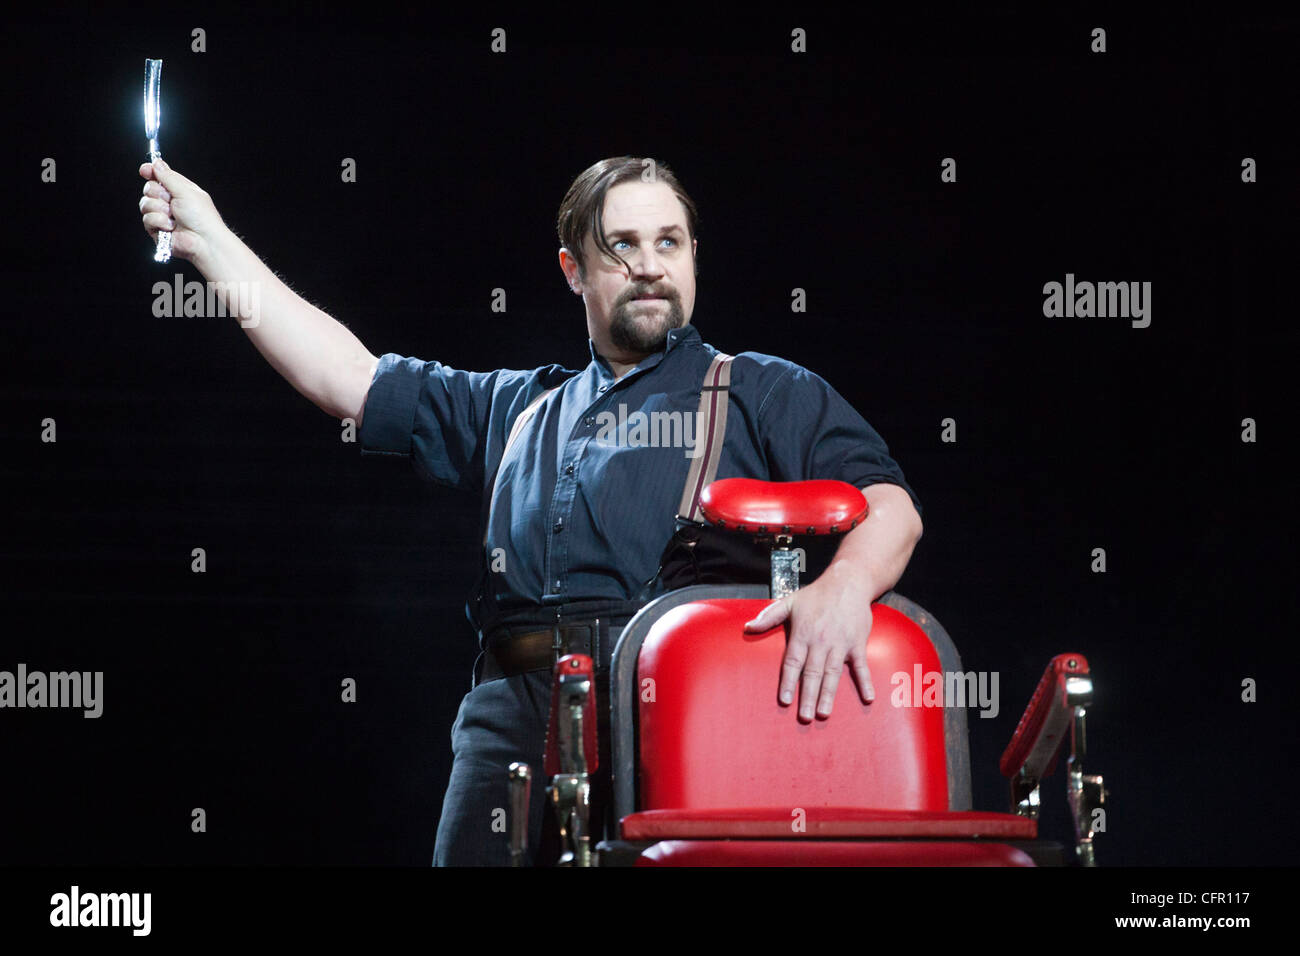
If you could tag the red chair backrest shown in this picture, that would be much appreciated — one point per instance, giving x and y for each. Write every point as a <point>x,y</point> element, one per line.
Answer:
<point>713,734</point>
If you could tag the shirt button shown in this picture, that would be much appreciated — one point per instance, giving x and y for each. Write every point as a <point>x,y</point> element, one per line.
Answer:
<point>559,526</point>
<point>602,388</point>
<point>589,420</point>
<point>568,469</point>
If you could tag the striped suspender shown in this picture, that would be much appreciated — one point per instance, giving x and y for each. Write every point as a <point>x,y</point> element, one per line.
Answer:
<point>521,421</point>
<point>710,427</point>
<point>524,418</point>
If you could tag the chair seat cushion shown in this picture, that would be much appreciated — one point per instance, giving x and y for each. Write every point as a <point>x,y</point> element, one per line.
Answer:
<point>786,823</point>
<point>830,853</point>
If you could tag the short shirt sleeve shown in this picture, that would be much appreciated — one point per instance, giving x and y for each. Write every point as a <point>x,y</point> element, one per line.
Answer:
<point>433,414</point>
<point>809,431</point>
<point>445,420</point>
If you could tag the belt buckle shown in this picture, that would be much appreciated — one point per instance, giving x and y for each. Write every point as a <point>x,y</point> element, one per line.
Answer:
<point>559,647</point>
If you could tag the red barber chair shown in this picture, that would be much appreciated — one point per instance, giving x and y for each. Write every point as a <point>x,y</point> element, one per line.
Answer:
<point>710,770</point>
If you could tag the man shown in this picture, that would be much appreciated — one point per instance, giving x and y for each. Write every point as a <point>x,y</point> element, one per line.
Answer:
<point>578,519</point>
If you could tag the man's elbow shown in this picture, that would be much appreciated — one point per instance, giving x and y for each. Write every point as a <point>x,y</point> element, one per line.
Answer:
<point>883,498</point>
<point>351,388</point>
<point>915,526</point>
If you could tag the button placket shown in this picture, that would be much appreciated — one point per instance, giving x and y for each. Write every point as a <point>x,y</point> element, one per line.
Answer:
<point>566,490</point>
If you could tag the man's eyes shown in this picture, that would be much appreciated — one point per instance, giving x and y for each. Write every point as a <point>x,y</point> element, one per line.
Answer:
<point>620,242</point>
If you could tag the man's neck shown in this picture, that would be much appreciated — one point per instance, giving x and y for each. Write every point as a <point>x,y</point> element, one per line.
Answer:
<point>621,368</point>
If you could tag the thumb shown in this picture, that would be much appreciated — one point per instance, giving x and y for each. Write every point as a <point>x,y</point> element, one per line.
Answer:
<point>771,616</point>
<point>171,180</point>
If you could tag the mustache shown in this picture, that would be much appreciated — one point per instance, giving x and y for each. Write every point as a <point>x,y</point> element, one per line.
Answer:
<point>657,293</point>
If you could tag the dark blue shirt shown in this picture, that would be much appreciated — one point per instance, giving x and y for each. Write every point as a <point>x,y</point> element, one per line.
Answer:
<point>581,509</point>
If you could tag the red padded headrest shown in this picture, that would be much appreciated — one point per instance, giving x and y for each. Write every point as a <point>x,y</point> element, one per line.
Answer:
<point>785,507</point>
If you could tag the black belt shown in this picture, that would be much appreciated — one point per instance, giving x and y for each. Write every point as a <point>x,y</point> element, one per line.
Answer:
<point>521,649</point>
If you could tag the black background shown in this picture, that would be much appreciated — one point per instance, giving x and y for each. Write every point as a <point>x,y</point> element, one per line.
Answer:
<point>819,171</point>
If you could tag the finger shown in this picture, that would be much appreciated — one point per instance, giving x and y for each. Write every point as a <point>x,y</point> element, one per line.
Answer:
<point>154,171</point>
<point>171,180</point>
<point>159,221</point>
<point>771,616</point>
<point>830,682</point>
<point>156,190</point>
<point>814,669</point>
<point>148,204</point>
<point>861,672</point>
<point>791,667</point>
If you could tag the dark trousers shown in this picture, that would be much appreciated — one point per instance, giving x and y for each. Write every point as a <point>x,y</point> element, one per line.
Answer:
<point>498,723</point>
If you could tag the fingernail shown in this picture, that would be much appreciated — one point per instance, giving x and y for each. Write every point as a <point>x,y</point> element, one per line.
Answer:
<point>786,697</point>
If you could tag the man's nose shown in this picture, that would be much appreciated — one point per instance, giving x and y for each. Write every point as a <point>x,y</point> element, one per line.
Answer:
<point>647,264</point>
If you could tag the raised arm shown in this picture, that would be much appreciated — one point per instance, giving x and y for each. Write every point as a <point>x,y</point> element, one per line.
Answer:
<point>315,353</point>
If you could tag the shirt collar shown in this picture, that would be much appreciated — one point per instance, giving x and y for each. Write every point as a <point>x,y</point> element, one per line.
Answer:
<point>686,333</point>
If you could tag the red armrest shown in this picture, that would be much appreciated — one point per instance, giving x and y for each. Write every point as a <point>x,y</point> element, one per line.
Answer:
<point>1046,721</point>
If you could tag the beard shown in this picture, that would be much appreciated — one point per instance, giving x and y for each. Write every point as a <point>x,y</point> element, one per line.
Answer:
<point>643,327</point>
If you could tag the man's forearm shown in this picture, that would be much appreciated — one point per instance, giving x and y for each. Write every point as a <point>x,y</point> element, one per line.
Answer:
<point>877,551</point>
<point>315,353</point>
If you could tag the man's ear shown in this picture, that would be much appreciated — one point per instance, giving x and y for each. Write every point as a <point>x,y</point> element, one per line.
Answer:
<point>695,254</point>
<point>572,272</point>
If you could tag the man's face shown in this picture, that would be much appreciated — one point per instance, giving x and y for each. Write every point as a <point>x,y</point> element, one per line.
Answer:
<point>631,309</point>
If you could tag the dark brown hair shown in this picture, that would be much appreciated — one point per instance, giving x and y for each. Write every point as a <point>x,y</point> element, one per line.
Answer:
<point>583,210</point>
